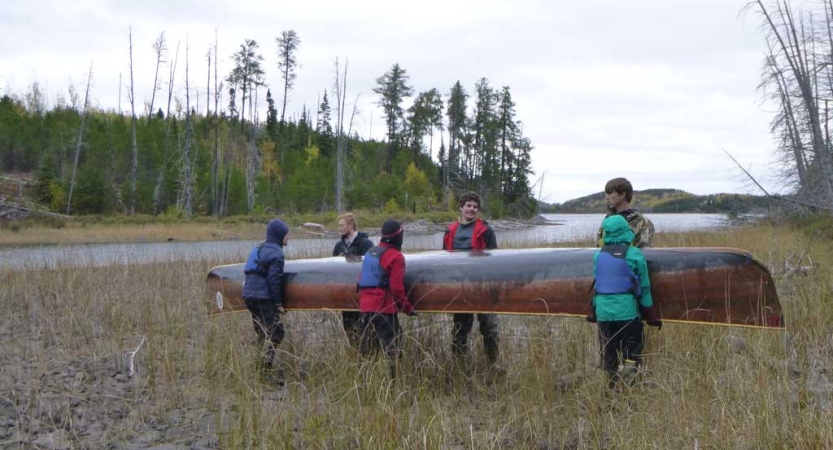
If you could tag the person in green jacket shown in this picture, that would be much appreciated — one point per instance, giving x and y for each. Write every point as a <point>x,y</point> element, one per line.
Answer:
<point>622,300</point>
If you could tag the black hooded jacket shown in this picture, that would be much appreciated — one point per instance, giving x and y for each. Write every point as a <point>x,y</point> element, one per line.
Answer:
<point>360,245</point>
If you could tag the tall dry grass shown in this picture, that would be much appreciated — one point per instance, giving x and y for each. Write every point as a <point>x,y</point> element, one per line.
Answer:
<point>703,387</point>
<point>96,233</point>
<point>143,228</point>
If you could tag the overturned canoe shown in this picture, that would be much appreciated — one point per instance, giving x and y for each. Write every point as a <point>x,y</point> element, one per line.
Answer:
<point>711,285</point>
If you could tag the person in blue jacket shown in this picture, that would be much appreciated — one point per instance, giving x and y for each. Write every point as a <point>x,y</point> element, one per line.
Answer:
<point>622,300</point>
<point>263,293</point>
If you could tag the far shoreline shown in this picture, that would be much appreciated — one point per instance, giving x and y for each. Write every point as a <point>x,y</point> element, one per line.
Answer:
<point>91,231</point>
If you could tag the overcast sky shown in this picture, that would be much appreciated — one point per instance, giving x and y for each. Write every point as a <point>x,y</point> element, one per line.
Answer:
<point>647,89</point>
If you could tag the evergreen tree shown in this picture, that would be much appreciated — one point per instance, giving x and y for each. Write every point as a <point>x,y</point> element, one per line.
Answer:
<point>520,187</point>
<point>419,121</point>
<point>47,185</point>
<point>485,164</point>
<point>324,112</point>
<point>326,137</point>
<point>393,88</point>
<point>288,44</point>
<point>271,117</point>
<point>93,195</point>
<point>303,126</point>
<point>434,106</point>
<point>247,72</point>
<point>508,137</point>
<point>456,113</point>
<point>232,102</point>
<point>425,115</point>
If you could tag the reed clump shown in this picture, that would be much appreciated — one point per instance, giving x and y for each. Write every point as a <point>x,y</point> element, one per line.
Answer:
<point>67,333</point>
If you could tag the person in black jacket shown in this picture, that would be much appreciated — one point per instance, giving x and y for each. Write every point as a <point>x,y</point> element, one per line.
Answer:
<point>352,245</point>
<point>263,293</point>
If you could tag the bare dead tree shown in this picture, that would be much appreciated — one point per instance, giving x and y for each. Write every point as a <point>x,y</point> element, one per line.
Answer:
<point>134,158</point>
<point>80,138</point>
<point>215,167</point>
<point>160,176</point>
<point>185,198</point>
<point>254,159</point>
<point>229,160</point>
<point>208,86</point>
<point>73,96</point>
<point>341,93</point>
<point>160,49</point>
<point>802,67</point>
<point>786,122</point>
<point>353,117</point>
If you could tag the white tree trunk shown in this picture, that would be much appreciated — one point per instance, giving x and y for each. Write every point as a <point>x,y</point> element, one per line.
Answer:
<point>186,178</point>
<point>341,95</point>
<point>134,155</point>
<point>80,138</point>
<point>253,165</point>
<point>160,177</point>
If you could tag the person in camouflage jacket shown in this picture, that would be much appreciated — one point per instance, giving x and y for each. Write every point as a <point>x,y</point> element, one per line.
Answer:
<point>618,196</point>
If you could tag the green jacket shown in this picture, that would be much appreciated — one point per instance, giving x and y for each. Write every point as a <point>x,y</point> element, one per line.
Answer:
<point>610,307</point>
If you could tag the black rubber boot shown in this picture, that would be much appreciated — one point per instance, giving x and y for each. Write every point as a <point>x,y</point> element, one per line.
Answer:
<point>274,372</point>
<point>491,345</point>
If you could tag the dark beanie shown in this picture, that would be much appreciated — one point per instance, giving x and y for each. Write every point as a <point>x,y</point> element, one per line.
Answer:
<point>391,227</point>
<point>392,233</point>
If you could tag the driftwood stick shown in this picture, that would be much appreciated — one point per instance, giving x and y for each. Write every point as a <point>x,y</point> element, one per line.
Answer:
<point>34,211</point>
<point>131,356</point>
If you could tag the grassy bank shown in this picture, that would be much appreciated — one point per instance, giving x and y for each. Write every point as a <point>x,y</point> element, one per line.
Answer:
<point>66,334</point>
<point>99,229</point>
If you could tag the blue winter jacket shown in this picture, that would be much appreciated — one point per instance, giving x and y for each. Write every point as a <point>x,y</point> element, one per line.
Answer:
<point>266,282</point>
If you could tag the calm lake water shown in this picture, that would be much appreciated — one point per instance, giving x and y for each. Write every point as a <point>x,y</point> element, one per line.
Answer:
<point>562,228</point>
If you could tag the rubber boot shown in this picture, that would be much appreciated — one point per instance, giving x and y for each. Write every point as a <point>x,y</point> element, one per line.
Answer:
<point>490,344</point>
<point>274,371</point>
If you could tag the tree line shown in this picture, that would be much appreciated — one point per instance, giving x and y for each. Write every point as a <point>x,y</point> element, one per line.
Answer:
<point>225,160</point>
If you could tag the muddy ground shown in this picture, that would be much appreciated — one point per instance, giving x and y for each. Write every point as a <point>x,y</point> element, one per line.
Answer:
<point>50,399</point>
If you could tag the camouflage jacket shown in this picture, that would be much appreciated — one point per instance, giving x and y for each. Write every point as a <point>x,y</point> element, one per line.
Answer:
<point>642,228</point>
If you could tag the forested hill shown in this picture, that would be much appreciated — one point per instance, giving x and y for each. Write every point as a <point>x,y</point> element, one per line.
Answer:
<point>666,201</point>
<point>168,157</point>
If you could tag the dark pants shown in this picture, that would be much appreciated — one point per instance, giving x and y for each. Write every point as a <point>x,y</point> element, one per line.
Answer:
<point>387,331</point>
<point>268,327</point>
<point>488,328</point>
<point>352,323</point>
<point>620,336</point>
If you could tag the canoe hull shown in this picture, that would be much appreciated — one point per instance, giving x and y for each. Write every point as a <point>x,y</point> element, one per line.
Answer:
<point>712,285</point>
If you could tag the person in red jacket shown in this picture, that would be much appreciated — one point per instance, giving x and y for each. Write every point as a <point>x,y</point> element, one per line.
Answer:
<point>382,292</point>
<point>471,232</point>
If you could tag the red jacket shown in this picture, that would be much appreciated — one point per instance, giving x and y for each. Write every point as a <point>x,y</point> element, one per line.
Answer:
<point>392,299</point>
<point>478,241</point>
